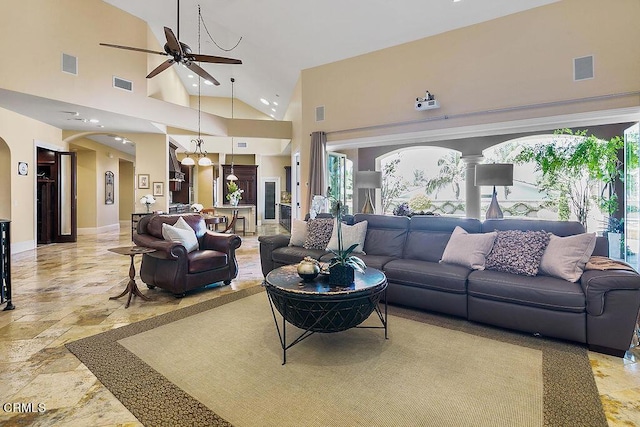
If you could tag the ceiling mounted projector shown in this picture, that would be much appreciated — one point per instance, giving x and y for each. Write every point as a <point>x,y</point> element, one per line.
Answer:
<point>429,102</point>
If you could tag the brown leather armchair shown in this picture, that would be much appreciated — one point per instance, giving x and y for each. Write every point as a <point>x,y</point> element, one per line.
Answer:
<point>177,271</point>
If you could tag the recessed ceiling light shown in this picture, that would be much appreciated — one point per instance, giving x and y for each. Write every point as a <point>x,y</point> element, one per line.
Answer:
<point>207,82</point>
<point>100,126</point>
<point>272,116</point>
<point>190,76</point>
<point>273,109</point>
<point>117,138</point>
<point>195,85</point>
<point>94,121</point>
<point>275,103</point>
<point>264,101</point>
<point>124,141</point>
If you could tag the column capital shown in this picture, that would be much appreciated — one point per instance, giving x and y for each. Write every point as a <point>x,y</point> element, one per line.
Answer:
<point>472,159</point>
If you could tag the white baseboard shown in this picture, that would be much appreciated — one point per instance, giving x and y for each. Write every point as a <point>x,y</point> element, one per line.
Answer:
<point>18,247</point>
<point>98,230</point>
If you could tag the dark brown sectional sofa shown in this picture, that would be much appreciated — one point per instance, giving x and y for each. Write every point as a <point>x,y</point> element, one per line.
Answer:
<point>599,310</point>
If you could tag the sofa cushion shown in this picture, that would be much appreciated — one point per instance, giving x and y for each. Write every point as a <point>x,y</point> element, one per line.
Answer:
<point>566,257</point>
<point>294,254</point>
<point>351,234</point>
<point>181,233</point>
<point>206,260</point>
<point>468,250</point>
<point>299,232</point>
<point>386,235</point>
<point>373,261</point>
<point>429,275</point>
<point>517,252</point>
<point>539,291</point>
<point>319,233</point>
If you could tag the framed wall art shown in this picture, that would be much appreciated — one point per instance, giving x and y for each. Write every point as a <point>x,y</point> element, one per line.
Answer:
<point>158,188</point>
<point>143,180</point>
<point>108,188</point>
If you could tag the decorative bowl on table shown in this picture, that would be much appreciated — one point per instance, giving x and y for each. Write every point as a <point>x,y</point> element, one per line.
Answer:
<point>308,269</point>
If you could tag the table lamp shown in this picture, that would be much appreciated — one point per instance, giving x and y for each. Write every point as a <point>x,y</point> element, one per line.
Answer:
<point>496,174</point>
<point>368,180</point>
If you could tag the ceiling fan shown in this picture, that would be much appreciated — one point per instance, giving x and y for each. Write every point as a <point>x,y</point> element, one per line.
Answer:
<point>180,53</point>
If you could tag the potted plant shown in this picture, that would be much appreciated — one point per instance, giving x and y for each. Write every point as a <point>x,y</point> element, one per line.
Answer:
<point>343,265</point>
<point>147,200</point>
<point>615,237</point>
<point>234,193</point>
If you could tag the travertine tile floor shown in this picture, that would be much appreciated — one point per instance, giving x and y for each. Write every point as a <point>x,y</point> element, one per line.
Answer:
<point>61,294</point>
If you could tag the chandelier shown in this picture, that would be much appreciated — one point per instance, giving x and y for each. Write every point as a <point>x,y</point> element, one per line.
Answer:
<point>232,176</point>
<point>199,152</point>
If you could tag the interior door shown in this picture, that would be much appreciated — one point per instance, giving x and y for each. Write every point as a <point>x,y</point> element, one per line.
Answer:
<point>66,215</point>
<point>270,199</point>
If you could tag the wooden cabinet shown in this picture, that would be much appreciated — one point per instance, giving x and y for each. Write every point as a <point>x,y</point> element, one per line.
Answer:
<point>185,189</point>
<point>247,181</point>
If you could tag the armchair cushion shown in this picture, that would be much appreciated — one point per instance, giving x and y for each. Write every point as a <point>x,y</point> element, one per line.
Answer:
<point>206,260</point>
<point>181,233</point>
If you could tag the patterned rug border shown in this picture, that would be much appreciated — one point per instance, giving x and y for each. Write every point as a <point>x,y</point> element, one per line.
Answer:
<point>570,394</point>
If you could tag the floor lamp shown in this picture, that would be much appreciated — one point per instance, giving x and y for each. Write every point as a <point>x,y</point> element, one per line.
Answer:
<point>368,180</point>
<point>496,174</point>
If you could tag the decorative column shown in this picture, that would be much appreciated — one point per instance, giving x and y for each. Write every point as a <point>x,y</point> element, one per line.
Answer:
<point>472,193</point>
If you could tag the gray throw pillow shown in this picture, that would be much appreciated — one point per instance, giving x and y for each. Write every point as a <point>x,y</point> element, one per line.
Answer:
<point>319,233</point>
<point>468,250</point>
<point>350,234</point>
<point>518,252</point>
<point>566,257</point>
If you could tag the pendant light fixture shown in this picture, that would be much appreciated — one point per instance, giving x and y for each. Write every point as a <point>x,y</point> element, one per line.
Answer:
<point>203,160</point>
<point>232,176</point>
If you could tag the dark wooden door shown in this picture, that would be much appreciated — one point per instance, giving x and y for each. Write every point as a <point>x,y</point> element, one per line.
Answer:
<point>247,181</point>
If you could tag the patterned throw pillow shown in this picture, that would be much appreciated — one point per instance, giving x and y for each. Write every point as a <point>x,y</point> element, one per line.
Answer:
<point>319,233</point>
<point>518,252</point>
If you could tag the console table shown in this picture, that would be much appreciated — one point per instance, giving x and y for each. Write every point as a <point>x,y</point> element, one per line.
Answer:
<point>316,306</point>
<point>5,264</point>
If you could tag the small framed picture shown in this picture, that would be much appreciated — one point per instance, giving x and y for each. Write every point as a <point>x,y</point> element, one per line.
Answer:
<point>143,180</point>
<point>158,188</point>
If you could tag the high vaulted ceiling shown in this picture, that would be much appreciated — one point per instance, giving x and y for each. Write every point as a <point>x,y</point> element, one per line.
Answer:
<point>282,37</point>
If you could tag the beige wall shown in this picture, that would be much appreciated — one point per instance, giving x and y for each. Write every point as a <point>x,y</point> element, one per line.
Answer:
<point>222,107</point>
<point>87,183</point>
<point>124,186</point>
<point>299,144</point>
<point>22,134</point>
<point>515,61</point>
<point>152,158</point>
<point>165,86</point>
<point>5,180</point>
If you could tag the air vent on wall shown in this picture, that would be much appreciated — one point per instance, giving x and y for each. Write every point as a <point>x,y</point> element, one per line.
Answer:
<point>242,145</point>
<point>583,68</point>
<point>320,113</point>
<point>70,64</point>
<point>122,84</point>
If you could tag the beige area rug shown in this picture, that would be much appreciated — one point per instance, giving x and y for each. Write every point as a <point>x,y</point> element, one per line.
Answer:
<point>219,363</point>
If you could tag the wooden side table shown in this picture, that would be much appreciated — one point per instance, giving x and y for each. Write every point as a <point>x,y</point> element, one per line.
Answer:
<point>132,288</point>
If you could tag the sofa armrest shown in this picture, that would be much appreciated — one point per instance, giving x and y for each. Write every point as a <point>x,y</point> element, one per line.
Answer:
<point>164,248</point>
<point>267,245</point>
<point>613,300</point>
<point>596,284</point>
<point>220,242</point>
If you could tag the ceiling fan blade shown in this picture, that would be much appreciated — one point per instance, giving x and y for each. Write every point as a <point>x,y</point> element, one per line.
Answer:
<point>214,59</point>
<point>202,73</point>
<point>160,68</point>
<point>137,49</point>
<point>172,41</point>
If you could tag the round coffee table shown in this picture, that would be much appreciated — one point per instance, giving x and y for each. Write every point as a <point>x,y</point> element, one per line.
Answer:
<point>316,306</point>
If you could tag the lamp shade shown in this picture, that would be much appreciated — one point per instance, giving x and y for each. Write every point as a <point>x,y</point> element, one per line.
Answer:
<point>205,161</point>
<point>498,174</point>
<point>368,179</point>
<point>188,161</point>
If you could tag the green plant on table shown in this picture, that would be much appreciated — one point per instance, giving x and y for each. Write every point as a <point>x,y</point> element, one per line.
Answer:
<point>343,256</point>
